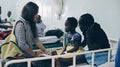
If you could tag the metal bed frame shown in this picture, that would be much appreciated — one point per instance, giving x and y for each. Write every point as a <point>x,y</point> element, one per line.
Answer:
<point>28,60</point>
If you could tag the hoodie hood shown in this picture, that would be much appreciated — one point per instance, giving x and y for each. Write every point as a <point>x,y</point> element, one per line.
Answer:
<point>95,26</point>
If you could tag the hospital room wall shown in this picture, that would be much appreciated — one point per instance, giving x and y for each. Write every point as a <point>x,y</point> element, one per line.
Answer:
<point>8,5</point>
<point>105,12</point>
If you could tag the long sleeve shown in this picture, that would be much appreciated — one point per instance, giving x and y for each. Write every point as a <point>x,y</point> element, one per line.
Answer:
<point>97,38</point>
<point>20,35</point>
<point>84,42</point>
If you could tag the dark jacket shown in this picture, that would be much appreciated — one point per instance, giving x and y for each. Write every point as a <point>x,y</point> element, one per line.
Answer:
<point>117,59</point>
<point>95,38</point>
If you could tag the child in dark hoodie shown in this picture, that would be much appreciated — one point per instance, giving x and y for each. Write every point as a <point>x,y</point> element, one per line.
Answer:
<point>94,35</point>
<point>95,38</point>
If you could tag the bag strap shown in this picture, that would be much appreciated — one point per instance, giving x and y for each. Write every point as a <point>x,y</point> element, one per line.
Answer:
<point>13,30</point>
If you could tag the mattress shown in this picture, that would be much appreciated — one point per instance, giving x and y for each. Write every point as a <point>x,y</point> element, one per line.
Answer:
<point>49,39</point>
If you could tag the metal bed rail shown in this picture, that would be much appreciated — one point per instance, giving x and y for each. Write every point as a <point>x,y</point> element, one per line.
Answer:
<point>28,60</point>
<point>58,56</point>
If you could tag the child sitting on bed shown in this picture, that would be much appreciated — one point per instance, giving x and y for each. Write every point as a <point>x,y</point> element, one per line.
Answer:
<point>72,38</point>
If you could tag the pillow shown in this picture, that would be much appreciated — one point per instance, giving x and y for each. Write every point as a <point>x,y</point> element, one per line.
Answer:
<point>49,39</point>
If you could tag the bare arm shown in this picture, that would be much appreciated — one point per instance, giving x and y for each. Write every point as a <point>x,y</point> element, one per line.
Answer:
<point>40,45</point>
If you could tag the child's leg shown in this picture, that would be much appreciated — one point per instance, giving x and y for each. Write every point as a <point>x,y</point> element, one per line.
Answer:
<point>65,62</point>
<point>56,60</point>
<point>57,63</point>
<point>54,53</point>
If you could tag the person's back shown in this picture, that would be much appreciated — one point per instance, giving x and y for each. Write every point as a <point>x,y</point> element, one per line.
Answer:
<point>117,59</point>
<point>40,26</point>
<point>96,38</point>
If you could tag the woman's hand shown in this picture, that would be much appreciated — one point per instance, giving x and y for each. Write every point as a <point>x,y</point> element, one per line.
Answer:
<point>45,51</point>
<point>40,45</point>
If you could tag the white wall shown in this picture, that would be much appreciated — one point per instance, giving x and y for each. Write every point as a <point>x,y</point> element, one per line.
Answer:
<point>105,12</point>
<point>8,5</point>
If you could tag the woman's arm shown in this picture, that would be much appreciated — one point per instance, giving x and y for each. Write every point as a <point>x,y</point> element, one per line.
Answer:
<point>40,45</point>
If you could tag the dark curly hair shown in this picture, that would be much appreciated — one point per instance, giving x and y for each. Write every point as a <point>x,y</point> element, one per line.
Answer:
<point>72,21</point>
<point>87,19</point>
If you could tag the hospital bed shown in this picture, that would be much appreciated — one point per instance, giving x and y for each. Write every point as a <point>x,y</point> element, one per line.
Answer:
<point>110,62</point>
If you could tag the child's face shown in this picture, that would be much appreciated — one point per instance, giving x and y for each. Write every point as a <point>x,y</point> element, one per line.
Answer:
<point>67,27</point>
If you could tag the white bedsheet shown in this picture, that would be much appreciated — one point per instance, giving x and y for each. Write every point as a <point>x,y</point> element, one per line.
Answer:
<point>107,64</point>
<point>103,65</point>
<point>48,39</point>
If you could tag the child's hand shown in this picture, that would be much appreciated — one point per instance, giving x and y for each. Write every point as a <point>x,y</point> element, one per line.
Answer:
<point>45,51</point>
<point>64,52</point>
<point>48,53</point>
<point>38,53</point>
<point>69,51</point>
